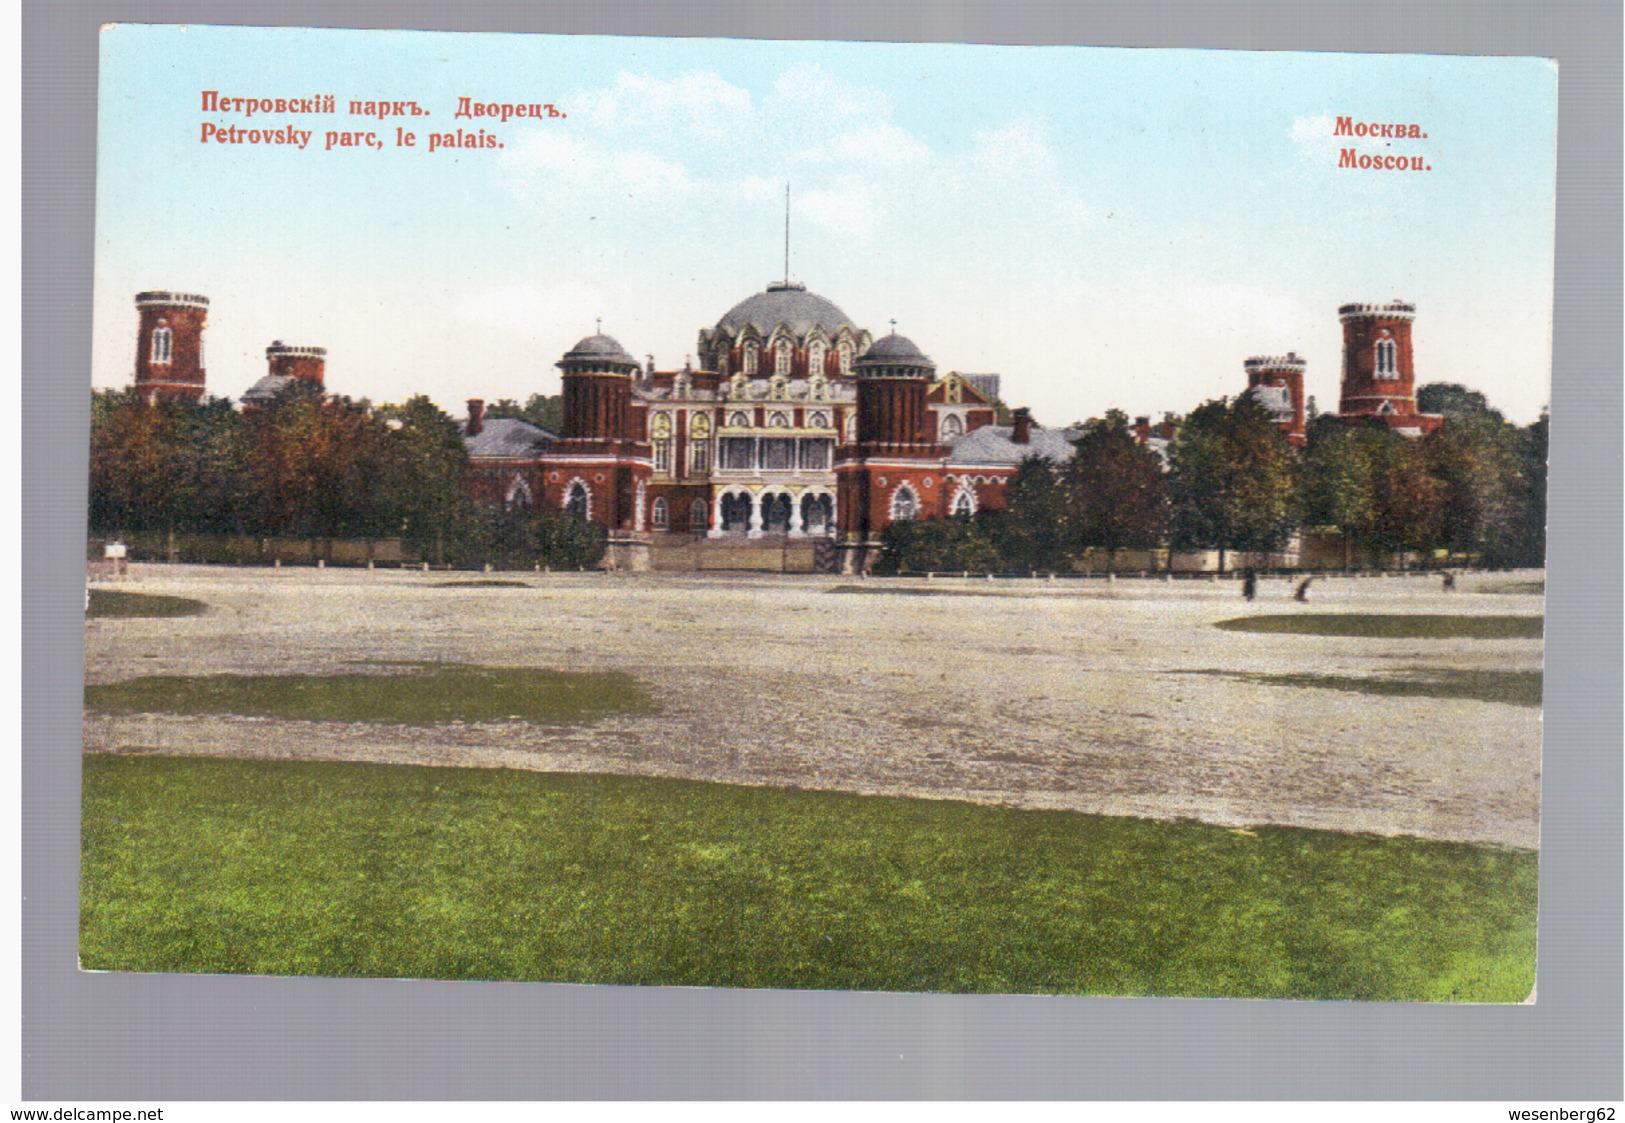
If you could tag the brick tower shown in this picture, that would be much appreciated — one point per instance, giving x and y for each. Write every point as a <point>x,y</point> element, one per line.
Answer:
<point>894,469</point>
<point>169,345</point>
<point>284,360</point>
<point>1379,376</point>
<point>1276,381</point>
<point>601,464</point>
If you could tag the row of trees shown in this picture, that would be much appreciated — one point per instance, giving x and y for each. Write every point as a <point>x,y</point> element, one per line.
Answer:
<point>1475,487</point>
<point>313,466</point>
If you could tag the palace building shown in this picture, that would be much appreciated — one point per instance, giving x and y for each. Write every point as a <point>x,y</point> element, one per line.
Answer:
<point>797,426</point>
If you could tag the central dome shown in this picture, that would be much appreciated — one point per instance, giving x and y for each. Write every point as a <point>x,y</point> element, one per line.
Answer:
<point>788,304</point>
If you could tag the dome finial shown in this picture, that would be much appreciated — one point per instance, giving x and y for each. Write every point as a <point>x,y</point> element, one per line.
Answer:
<point>893,326</point>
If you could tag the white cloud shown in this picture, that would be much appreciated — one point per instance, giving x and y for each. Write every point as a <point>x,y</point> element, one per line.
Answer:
<point>873,143</point>
<point>541,162</point>
<point>699,103</point>
<point>810,93</point>
<point>851,208</point>
<point>1018,148</point>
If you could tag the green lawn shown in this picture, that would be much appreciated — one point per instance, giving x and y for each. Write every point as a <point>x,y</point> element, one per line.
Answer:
<point>205,865</point>
<point>1373,626</point>
<point>1514,688</point>
<point>107,603</point>
<point>428,694</point>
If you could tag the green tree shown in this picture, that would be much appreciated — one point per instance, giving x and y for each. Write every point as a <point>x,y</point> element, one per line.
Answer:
<point>427,490</point>
<point>164,465</point>
<point>957,544</point>
<point>1454,400</point>
<point>1536,449</point>
<point>1034,531</point>
<point>545,411</point>
<point>320,466</point>
<point>1485,466</point>
<point>1115,489</point>
<point>1233,481</point>
<point>522,538</point>
<point>1374,485</point>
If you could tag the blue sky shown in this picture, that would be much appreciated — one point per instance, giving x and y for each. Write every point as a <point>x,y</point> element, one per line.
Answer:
<point>1105,228</point>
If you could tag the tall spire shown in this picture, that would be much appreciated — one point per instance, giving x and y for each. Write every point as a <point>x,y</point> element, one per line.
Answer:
<point>787,233</point>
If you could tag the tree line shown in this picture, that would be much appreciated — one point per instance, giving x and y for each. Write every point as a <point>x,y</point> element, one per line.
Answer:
<point>313,466</point>
<point>1475,488</point>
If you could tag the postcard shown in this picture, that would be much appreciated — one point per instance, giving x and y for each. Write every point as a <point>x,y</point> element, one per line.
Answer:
<point>817,515</point>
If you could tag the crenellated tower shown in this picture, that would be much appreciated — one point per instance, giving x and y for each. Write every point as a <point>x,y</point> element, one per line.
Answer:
<point>891,471</point>
<point>169,361</point>
<point>600,467</point>
<point>1276,383</point>
<point>1379,374</point>
<point>285,360</point>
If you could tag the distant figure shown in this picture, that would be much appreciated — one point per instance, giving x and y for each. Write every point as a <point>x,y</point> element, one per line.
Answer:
<point>1301,593</point>
<point>1249,583</point>
<point>1449,581</point>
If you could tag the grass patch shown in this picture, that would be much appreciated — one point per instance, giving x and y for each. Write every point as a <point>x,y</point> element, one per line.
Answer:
<point>105,604</point>
<point>1372,626</point>
<point>305,868</point>
<point>433,694</point>
<point>917,591</point>
<point>482,583</point>
<point>1514,688</point>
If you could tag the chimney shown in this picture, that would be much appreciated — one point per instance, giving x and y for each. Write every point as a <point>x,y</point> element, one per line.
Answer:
<point>1142,429</point>
<point>1167,428</point>
<point>476,417</point>
<point>1021,431</point>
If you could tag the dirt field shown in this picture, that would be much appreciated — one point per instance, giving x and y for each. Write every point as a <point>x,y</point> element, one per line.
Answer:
<point>1027,694</point>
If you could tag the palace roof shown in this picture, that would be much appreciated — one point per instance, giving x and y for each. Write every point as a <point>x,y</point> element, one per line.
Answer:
<point>508,437</point>
<point>788,304</point>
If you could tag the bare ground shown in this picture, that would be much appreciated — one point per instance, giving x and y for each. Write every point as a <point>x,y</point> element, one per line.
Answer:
<point>1066,695</point>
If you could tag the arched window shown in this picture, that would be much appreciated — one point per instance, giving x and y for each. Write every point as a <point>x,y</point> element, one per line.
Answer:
<point>778,421</point>
<point>722,362</point>
<point>699,444</point>
<point>739,419</point>
<point>964,502</point>
<point>518,497</point>
<point>816,514</point>
<point>751,355</point>
<point>818,420</point>
<point>658,515</point>
<point>1387,359</point>
<point>578,499</point>
<point>905,504</point>
<point>660,431</point>
<point>160,345</point>
<point>698,516</point>
<point>781,358</point>
<point>844,351</point>
<point>815,358</point>
<point>952,426</point>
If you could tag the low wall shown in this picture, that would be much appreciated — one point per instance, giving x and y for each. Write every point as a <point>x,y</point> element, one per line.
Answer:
<point>239,549</point>
<point>682,554</point>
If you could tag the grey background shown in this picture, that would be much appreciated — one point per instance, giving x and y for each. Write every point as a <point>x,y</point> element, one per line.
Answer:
<point>166,1037</point>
